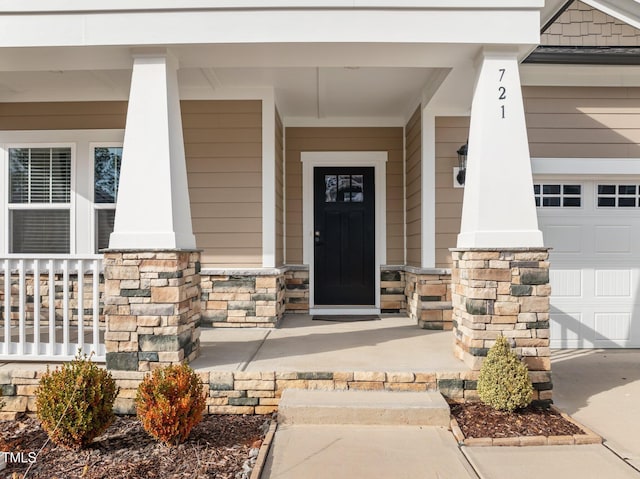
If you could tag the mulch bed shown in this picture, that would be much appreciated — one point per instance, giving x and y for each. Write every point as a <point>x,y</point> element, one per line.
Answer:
<point>477,420</point>
<point>219,447</point>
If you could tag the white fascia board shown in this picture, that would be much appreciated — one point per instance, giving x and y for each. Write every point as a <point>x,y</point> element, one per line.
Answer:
<point>42,6</point>
<point>585,166</point>
<point>580,75</point>
<point>624,10</point>
<point>479,26</point>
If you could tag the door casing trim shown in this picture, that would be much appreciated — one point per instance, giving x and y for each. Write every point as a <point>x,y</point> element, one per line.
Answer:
<point>375,159</point>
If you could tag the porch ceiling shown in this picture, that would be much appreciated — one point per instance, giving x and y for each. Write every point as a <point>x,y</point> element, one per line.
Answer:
<point>307,92</point>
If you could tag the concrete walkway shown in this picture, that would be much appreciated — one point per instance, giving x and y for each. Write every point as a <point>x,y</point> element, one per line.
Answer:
<point>600,388</point>
<point>371,452</point>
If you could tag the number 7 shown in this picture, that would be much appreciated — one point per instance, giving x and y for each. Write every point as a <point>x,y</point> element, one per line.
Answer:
<point>502,70</point>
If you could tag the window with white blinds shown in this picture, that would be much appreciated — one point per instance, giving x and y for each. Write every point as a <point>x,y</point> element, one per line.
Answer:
<point>40,199</point>
<point>107,161</point>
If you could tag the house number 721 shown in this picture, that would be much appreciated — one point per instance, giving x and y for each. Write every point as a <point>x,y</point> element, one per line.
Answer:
<point>502,91</point>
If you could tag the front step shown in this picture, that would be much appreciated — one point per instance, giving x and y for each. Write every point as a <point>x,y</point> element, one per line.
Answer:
<point>386,408</point>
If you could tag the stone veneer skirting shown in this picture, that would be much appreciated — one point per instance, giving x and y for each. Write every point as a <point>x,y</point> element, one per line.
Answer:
<point>249,392</point>
<point>152,305</point>
<point>503,293</point>
<point>249,298</point>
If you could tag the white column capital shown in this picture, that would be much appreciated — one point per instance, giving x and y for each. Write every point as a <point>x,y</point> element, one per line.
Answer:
<point>498,207</point>
<point>153,209</point>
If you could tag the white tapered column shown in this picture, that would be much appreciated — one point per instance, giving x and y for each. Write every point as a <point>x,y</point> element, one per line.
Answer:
<point>153,210</point>
<point>499,207</point>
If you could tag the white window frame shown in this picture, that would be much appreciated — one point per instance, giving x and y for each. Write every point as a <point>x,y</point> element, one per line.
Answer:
<point>561,195</point>
<point>98,206</point>
<point>616,196</point>
<point>71,206</point>
<point>82,239</point>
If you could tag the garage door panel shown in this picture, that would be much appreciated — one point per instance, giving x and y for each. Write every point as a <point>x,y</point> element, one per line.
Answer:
<point>563,238</point>
<point>612,239</point>
<point>566,282</point>
<point>613,283</point>
<point>566,329</point>
<point>612,326</point>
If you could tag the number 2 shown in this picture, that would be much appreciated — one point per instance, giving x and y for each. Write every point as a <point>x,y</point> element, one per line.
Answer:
<point>503,93</point>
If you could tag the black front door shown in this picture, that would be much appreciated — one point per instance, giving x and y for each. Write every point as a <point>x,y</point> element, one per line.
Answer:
<point>344,229</point>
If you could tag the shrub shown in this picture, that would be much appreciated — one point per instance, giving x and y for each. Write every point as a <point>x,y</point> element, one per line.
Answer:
<point>75,402</point>
<point>504,382</point>
<point>170,403</point>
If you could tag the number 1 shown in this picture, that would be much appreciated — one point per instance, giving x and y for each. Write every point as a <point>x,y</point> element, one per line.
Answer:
<point>502,108</point>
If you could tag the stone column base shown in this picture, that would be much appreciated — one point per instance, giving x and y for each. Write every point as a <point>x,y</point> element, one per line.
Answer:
<point>500,292</point>
<point>152,308</point>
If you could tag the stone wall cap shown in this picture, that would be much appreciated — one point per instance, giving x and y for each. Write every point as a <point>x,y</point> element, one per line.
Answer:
<point>242,271</point>
<point>515,249</point>
<point>150,250</point>
<point>295,267</point>
<point>416,270</point>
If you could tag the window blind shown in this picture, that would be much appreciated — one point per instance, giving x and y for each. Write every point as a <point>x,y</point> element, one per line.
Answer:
<point>39,176</point>
<point>40,231</point>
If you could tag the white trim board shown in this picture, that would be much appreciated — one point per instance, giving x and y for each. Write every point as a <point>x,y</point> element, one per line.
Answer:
<point>375,159</point>
<point>585,166</point>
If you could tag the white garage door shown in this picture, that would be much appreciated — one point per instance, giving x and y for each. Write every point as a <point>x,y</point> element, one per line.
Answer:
<point>594,230</point>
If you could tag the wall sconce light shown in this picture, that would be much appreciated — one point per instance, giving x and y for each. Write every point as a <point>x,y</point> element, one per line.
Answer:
<point>460,172</point>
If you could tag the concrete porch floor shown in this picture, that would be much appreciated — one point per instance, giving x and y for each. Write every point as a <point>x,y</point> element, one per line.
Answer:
<point>392,344</point>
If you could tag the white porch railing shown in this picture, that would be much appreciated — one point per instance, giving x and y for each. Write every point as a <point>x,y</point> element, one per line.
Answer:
<point>42,307</point>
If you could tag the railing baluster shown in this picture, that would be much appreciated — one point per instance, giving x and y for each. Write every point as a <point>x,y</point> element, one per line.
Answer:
<point>22,320</point>
<point>81,306</point>
<point>36,307</point>
<point>96,306</point>
<point>65,307</point>
<point>7,306</point>
<point>52,307</point>
<point>16,308</point>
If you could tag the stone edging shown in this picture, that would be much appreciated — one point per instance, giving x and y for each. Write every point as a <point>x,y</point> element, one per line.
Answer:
<point>589,437</point>
<point>264,451</point>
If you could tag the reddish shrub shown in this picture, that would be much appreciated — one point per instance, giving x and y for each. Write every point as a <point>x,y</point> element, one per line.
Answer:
<point>170,403</point>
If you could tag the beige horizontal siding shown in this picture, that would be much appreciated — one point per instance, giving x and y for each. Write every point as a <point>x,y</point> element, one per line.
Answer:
<point>279,158</point>
<point>570,122</point>
<point>63,115</point>
<point>413,145</point>
<point>451,133</point>
<point>582,25</point>
<point>344,139</point>
<point>223,146</point>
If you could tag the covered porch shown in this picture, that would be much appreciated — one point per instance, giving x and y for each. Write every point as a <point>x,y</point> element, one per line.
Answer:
<point>214,136</point>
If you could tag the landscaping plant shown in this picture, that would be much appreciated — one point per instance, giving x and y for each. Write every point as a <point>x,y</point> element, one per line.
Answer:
<point>170,403</point>
<point>75,402</point>
<point>504,382</point>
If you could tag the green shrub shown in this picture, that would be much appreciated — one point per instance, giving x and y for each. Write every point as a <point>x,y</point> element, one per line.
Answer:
<point>75,402</point>
<point>170,403</point>
<point>504,382</point>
